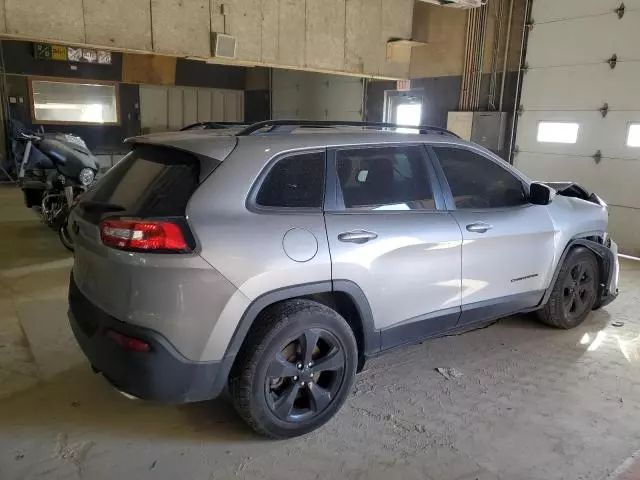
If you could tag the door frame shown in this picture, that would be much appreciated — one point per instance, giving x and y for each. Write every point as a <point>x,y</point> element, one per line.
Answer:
<point>389,95</point>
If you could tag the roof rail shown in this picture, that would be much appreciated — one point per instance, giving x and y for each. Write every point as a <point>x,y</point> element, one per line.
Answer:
<point>286,126</point>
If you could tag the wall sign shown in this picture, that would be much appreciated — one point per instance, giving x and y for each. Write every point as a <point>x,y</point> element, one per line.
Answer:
<point>45,51</point>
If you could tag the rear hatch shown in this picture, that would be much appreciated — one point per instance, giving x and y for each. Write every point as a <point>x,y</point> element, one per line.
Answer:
<point>132,225</point>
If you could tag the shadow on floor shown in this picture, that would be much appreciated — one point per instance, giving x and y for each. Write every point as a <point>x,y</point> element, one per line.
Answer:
<point>80,400</point>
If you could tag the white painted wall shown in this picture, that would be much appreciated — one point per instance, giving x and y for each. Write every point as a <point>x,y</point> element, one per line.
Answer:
<point>569,80</point>
<point>315,96</point>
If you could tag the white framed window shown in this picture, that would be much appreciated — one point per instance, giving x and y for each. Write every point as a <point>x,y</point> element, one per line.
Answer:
<point>633,135</point>
<point>73,101</point>
<point>558,132</point>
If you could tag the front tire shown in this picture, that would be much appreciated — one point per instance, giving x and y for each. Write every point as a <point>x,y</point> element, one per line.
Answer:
<point>575,292</point>
<point>65,238</point>
<point>295,370</point>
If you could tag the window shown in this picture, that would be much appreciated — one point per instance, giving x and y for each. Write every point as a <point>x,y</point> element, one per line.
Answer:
<point>558,132</point>
<point>73,102</point>
<point>477,182</point>
<point>633,135</point>
<point>149,182</point>
<point>387,178</point>
<point>294,182</point>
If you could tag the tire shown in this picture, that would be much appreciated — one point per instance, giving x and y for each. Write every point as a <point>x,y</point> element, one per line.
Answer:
<point>65,238</point>
<point>575,292</point>
<point>287,405</point>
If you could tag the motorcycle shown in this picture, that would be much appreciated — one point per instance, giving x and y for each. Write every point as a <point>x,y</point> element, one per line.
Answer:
<point>54,172</point>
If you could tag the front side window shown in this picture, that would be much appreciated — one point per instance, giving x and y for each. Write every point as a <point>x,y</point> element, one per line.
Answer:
<point>296,181</point>
<point>477,182</point>
<point>74,102</point>
<point>385,178</point>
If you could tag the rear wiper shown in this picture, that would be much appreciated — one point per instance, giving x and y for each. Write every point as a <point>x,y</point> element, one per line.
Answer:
<point>90,205</point>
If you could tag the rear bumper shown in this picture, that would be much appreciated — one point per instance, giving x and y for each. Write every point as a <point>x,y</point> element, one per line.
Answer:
<point>162,374</point>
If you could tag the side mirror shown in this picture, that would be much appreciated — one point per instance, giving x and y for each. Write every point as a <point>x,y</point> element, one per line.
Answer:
<point>540,194</point>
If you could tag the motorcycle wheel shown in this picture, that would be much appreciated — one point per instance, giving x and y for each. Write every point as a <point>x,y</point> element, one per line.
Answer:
<point>65,238</point>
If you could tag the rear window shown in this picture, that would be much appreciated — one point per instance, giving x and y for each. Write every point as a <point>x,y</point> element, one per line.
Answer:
<point>149,182</point>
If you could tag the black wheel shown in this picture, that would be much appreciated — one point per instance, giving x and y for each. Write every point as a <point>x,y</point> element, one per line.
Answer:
<point>295,369</point>
<point>65,238</point>
<point>575,292</point>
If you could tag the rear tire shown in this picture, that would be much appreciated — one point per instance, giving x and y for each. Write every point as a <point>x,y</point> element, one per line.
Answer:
<point>575,292</point>
<point>295,369</point>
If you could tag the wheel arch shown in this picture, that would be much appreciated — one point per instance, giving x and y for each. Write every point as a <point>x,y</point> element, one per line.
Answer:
<point>343,296</point>
<point>604,256</point>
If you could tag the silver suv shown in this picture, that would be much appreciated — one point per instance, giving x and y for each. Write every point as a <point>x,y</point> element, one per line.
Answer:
<point>276,259</point>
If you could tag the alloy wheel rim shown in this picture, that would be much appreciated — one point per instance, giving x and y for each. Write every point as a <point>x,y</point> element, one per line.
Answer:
<point>579,289</point>
<point>305,375</point>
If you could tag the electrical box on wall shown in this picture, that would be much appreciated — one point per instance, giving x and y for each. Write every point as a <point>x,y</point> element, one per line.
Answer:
<point>485,128</point>
<point>489,129</point>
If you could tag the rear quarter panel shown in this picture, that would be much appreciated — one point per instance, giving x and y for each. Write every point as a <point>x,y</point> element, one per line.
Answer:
<point>246,246</point>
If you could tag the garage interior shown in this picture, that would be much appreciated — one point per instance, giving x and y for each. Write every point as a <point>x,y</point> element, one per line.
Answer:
<point>548,85</point>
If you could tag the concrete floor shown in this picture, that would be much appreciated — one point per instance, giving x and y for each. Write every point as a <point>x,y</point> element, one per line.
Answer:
<point>534,403</point>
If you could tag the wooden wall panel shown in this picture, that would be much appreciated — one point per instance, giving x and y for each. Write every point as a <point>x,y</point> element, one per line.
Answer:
<point>3,18</point>
<point>119,23</point>
<point>245,23</point>
<point>446,35</point>
<point>217,18</point>
<point>181,27</point>
<point>291,38</point>
<point>363,20</point>
<point>397,20</point>
<point>46,20</point>
<point>151,69</point>
<point>270,30</point>
<point>325,22</point>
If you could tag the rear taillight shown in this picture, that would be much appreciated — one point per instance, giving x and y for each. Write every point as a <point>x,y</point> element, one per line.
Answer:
<point>128,343</point>
<point>148,236</point>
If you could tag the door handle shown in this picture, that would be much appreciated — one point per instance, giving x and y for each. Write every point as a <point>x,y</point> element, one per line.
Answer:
<point>357,236</point>
<point>479,227</point>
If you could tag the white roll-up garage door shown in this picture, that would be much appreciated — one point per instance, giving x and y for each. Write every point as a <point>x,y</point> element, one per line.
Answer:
<point>568,82</point>
<point>316,96</point>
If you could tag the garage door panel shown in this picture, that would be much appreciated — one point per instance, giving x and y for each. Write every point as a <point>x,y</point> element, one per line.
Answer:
<point>585,40</point>
<point>609,135</point>
<point>583,87</point>
<point>176,108</point>
<point>553,10</point>
<point>204,105</point>
<point>153,108</point>
<point>569,79</point>
<point>190,98</point>
<point>614,180</point>
<point>218,105</point>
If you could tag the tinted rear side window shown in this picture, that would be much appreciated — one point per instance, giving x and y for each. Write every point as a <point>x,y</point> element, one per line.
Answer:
<point>296,181</point>
<point>149,182</point>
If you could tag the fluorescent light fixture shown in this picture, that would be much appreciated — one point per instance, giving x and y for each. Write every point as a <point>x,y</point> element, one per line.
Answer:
<point>633,135</point>
<point>558,132</point>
